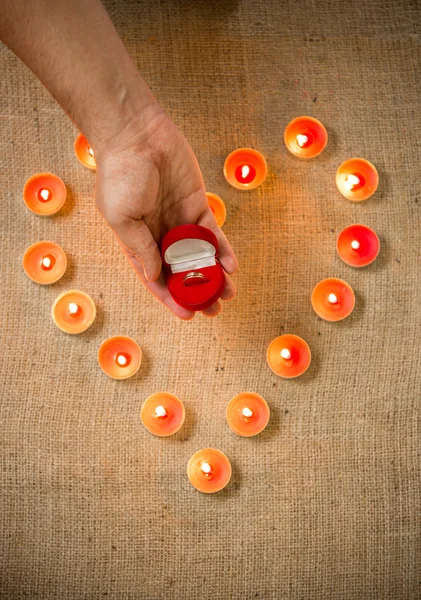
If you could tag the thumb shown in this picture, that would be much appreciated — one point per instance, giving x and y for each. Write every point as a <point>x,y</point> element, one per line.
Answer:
<point>139,243</point>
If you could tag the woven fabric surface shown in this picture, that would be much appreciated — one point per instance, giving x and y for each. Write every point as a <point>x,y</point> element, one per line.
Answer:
<point>325,503</point>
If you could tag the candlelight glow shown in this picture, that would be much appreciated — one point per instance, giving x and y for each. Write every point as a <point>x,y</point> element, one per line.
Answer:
<point>160,411</point>
<point>45,194</point>
<point>247,412</point>
<point>122,360</point>
<point>91,152</point>
<point>206,468</point>
<point>245,170</point>
<point>352,181</point>
<point>73,308</point>
<point>302,140</point>
<point>355,245</point>
<point>46,262</point>
<point>286,354</point>
<point>333,299</point>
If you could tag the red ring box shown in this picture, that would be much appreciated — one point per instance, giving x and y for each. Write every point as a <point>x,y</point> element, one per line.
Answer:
<point>195,279</point>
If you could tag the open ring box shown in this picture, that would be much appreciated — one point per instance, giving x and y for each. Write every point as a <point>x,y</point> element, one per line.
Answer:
<point>195,279</point>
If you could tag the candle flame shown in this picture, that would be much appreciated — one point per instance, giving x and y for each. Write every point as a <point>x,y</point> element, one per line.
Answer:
<point>355,244</point>
<point>46,262</point>
<point>73,308</point>
<point>352,181</point>
<point>206,468</point>
<point>286,354</point>
<point>247,412</point>
<point>333,299</point>
<point>91,152</point>
<point>45,194</point>
<point>302,140</point>
<point>160,411</point>
<point>245,170</point>
<point>122,360</point>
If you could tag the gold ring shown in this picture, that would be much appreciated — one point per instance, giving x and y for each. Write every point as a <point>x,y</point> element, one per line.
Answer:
<point>194,277</point>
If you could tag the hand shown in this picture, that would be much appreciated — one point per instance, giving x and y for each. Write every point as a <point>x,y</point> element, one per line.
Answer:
<point>148,182</point>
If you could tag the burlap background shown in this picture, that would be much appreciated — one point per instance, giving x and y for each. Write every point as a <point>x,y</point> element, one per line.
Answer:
<point>325,504</point>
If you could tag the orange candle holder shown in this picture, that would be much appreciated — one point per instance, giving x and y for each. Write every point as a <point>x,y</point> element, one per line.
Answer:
<point>217,206</point>
<point>247,414</point>
<point>305,137</point>
<point>44,194</point>
<point>119,357</point>
<point>84,152</point>
<point>44,262</point>
<point>357,179</point>
<point>333,299</point>
<point>209,470</point>
<point>358,245</point>
<point>245,168</point>
<point>73,311</point>
<point>163,414</point>
<point>289,356</point>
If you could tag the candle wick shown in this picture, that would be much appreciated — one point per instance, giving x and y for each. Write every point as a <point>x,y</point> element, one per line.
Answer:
<point>247,412</point>
<point>302,139</point>
<point>355,244</point>
<point>333,299</point>
<point>245,171</point>
<point>286,354</point>
<point>160,411</point>
<point>206,468</point>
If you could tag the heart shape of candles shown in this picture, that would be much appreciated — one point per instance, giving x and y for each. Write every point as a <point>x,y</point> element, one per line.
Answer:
<point>245,168</point>
<point>247,414</point>
<point>44,194</point>
<point>305,137</point>
<point>333,299</point>
<point>217,206</point>
<point>357,179</point>
<point>289,356</point>
<point>358,245</point>
<point>44,262</point>
<point>119,357</point>
<point>163,414</point>
<point>209,470</point>
<point>73,311</point>
<point>84,152</point>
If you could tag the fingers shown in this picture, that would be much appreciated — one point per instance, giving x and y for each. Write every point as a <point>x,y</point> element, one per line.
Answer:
<point>229,291</point>
<point>226,256</point>
<point>138,242</point>
<point>213,310</point>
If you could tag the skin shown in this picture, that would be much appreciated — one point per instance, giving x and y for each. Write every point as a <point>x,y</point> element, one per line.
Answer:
<point>148,179</point>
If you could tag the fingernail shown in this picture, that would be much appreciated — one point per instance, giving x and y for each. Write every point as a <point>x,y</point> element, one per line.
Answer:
<point>146,273</point>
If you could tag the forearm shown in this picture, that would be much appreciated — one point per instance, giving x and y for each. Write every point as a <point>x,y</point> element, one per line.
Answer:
<point>74,49</point>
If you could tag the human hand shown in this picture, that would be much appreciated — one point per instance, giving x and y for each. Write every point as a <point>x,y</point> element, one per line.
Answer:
<point>148,182</point>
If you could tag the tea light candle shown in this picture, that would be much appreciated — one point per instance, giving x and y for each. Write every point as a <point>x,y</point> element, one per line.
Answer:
<point>357,179</point>
<point>73,311</point>
<point>44,194</point>
<point>305,137</point>
<point>247,414</point>
<point>217,206</point>
<point>44,262</point>
<point>84,152</point>
<point>245,168</point>
<point>358,245</point>
<point>119,357</point>
<point>163,414</point>
<point>209,470</point>
<point>333,299</point>
<point>289,356</point>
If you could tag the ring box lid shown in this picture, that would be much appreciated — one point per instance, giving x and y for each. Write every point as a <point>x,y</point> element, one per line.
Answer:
<point>189,247</point>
